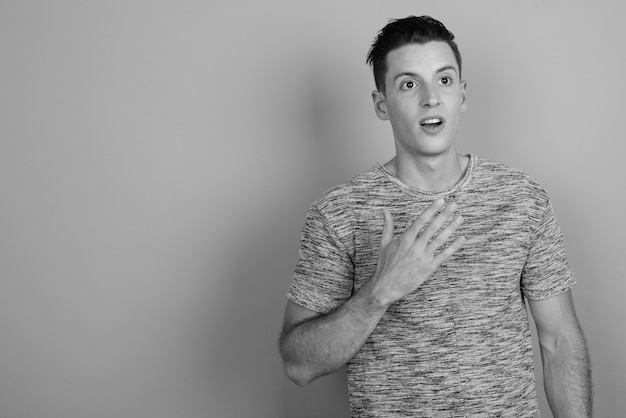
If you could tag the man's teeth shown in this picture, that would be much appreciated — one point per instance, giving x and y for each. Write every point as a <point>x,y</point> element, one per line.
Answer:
<point>433,121</point>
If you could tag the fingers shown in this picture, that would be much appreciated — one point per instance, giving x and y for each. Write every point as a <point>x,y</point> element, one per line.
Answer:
<point>436,224</point>
<point>424,217</point>
<point>426,226</point>
<point>387,228</point>
<point>444,234</point>
<point>449,251</point>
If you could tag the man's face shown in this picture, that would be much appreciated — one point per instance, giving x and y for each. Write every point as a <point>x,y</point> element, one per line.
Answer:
<point>423,99</point>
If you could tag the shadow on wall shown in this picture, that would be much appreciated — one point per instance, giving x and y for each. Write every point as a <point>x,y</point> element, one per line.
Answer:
<point>262,254</point>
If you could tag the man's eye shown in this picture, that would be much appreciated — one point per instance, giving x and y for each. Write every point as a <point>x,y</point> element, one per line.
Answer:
<point>409,84</point>
<point>446,80</point>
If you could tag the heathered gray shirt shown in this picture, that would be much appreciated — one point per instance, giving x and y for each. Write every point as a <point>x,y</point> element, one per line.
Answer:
<point>460,345</point>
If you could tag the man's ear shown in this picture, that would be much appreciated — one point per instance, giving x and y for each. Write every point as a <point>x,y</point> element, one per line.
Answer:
<point>463,96</point>
<point>380,106</point>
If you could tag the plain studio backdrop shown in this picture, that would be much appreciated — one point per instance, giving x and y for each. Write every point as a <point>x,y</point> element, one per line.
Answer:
<point>157,160</point>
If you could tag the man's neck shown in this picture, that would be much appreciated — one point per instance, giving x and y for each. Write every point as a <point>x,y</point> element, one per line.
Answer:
<point>431,174</point>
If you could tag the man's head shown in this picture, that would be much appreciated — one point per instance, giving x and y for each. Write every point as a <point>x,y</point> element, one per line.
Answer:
<point>400,32</point>
<point>419,86</point>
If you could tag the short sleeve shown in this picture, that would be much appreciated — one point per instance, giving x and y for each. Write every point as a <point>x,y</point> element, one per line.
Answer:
<point>546,272</point>
<point>324,276</point>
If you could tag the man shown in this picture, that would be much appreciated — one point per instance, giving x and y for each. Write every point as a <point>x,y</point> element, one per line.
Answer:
<point>414,273</point>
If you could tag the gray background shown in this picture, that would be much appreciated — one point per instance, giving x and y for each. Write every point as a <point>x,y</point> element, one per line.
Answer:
<point>157,160</point>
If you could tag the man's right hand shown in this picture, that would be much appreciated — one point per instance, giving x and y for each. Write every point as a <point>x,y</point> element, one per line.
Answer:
<point>405,262</point>
<point>313,344</point>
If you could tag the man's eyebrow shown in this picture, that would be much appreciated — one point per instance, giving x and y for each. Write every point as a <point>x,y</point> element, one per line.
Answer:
<point>411,74</point>
<point>446,68</point>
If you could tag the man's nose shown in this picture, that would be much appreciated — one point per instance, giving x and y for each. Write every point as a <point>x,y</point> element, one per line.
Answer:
<point>431,97</point>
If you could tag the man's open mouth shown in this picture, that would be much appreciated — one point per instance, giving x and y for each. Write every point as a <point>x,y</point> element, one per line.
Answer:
<point>432,122</point>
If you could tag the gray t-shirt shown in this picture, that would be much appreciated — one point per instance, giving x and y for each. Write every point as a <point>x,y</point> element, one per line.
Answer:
<point>460,345</point>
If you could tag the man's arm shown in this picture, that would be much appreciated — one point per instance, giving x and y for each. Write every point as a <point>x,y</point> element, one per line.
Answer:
<point>312,344</point>
<point>566,366</point>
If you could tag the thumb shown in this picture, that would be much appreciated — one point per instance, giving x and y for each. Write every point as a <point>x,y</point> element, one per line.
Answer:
<point>387,228</point>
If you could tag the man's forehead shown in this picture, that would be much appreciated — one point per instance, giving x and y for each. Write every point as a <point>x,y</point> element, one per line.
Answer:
<point>428,57</point>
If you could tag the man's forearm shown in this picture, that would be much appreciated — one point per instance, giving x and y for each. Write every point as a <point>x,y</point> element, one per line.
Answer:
<point>567,376</point>
<point>324,344</point>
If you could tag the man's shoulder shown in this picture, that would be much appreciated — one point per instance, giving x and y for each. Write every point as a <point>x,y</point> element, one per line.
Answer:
<point>488,167</point>
<point>352,191</point>
<point>500,176</point>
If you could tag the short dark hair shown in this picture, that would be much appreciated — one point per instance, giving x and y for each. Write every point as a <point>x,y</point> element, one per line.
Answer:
<point>400,32</point>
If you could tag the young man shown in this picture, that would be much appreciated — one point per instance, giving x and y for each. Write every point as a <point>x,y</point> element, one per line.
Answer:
<point>414,273</point>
